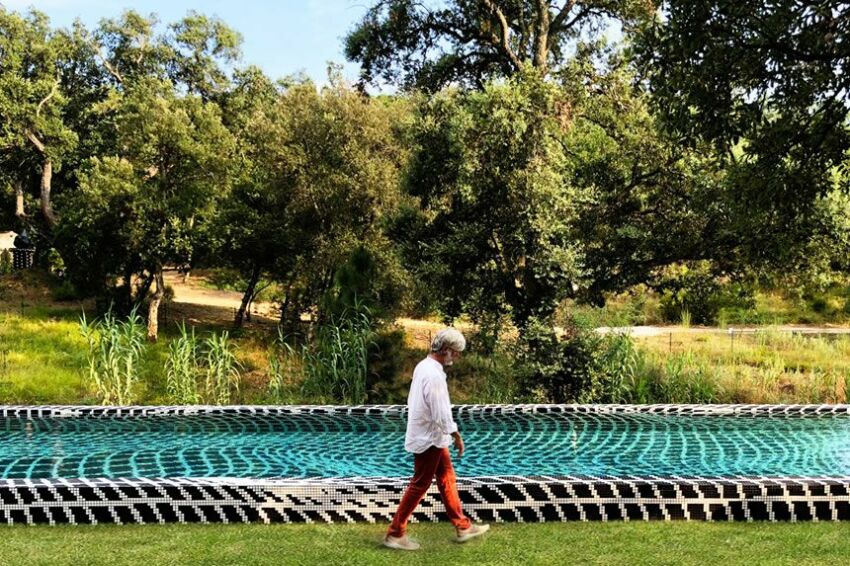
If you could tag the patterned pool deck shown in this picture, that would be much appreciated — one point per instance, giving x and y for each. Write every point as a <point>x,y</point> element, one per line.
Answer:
<point>374,499</point>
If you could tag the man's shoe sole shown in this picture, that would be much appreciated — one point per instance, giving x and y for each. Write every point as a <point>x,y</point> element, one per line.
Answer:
<point>396,546</point>
<point>464,538</point>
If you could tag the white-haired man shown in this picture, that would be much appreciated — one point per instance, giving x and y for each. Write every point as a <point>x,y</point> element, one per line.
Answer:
<point>430,430</point>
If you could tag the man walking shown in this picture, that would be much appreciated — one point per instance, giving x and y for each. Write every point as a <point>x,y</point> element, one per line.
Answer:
<point>430,430</point>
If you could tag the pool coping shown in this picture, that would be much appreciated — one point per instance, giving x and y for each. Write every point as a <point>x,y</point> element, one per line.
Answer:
<point>374,499</point>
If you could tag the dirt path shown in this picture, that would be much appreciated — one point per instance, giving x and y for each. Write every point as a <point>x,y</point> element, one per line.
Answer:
<point>650,331</point>
<point>194,294</point>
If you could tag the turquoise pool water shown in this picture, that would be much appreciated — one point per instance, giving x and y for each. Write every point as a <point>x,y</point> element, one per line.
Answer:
<point>302,446</point>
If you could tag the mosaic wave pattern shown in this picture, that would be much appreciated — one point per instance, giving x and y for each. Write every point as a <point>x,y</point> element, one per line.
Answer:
<point>362,444</point>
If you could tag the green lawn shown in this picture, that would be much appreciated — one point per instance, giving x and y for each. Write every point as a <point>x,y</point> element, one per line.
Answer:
<point>529,544</point>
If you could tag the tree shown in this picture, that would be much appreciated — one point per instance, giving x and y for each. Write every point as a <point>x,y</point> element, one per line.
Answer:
<point>251,231</point>
<point>180,153</point>
<point>648,201</point>
<point>32,101</point>
<point>319,171</point>
<point>468,41</point>
<point>766,83</point>
<point>497,203</point>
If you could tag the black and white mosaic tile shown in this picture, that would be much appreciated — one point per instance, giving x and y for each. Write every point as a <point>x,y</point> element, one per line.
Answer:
<point>374,500</point>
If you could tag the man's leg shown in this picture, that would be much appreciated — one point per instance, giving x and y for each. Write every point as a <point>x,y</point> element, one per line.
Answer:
<point>447,483</point>
<point>424,467</point>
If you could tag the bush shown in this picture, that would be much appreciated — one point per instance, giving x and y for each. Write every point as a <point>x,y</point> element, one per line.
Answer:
<point>5,262</point>
<point>64,291</point>
<point>581,366</point>
<point>385,361</point>
<point>696,291</point>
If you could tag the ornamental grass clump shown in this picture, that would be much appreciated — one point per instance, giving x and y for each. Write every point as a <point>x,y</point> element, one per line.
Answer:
<point>221,371</point>
<point>181,368</point>
<point>201,371</point>
<point>114,349</point>
<point>337,364</point>
<point>285,369</point>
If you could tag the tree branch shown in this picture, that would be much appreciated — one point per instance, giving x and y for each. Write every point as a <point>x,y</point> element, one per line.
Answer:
<point>504,44</point>
<point>44,100</point>
<point>112,70</point>
<point>562,14</point>
<point>35,141</point>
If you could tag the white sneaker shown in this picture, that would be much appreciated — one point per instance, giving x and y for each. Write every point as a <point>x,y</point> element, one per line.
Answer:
<point>471,532</point>
<point>400,543</point>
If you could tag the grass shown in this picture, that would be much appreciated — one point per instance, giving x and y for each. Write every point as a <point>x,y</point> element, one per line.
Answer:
<point>45,361</point>
<point>42,361</point>
<point>626,543</point>
<point>766,367</point>
<point>641,306</point>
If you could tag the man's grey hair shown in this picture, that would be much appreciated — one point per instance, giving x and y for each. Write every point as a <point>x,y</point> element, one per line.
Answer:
<point>448,338</point>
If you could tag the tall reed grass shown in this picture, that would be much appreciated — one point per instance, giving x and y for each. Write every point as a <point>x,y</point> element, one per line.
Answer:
<point>221,374</point>
<point>181,368</point>
<point>201,371</point>
<point>332,368</point>
<point>114,349</point>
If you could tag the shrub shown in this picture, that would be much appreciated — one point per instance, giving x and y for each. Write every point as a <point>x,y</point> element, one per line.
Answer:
<point>696,291</point>
<point>5,262</point>
<point>64,291</point>
<point>582,365</point>
<point>385,361</point>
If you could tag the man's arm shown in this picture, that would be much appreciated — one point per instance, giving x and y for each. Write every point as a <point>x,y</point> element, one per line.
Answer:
<point>441,411</point>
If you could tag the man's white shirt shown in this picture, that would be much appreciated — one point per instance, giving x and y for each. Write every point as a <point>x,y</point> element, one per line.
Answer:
<point>429,416</point>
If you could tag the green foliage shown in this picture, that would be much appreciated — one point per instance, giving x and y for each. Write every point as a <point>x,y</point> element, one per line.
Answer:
<point>496,200</point>
<point>64,291</point>
<point>766,85</point>
<point>320,175</point>
<point>468,43</point>
<point>386,357</point>
<point>114,349</point>
<point>582,365</point>
<point>221,371</point>
<point>695,293</point>
<point>5,262</point>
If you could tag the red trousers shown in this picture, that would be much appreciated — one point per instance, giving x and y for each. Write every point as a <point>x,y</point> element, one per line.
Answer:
<point>425,466</point>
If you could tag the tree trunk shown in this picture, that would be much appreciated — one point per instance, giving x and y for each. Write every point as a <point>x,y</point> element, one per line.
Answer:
<point>142,292</point>
<point>46,185</point>
<point>19,199</point>
<point>541,39</point>
<point>287,292</point>
<point>247,296</point>
<point>153,309</point>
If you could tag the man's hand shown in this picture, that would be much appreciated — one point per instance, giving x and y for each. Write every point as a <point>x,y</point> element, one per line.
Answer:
<point>458,443</point>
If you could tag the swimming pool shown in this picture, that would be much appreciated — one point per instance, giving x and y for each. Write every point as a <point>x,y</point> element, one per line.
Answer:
<point>304,444</point>
<point>523,462</point>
